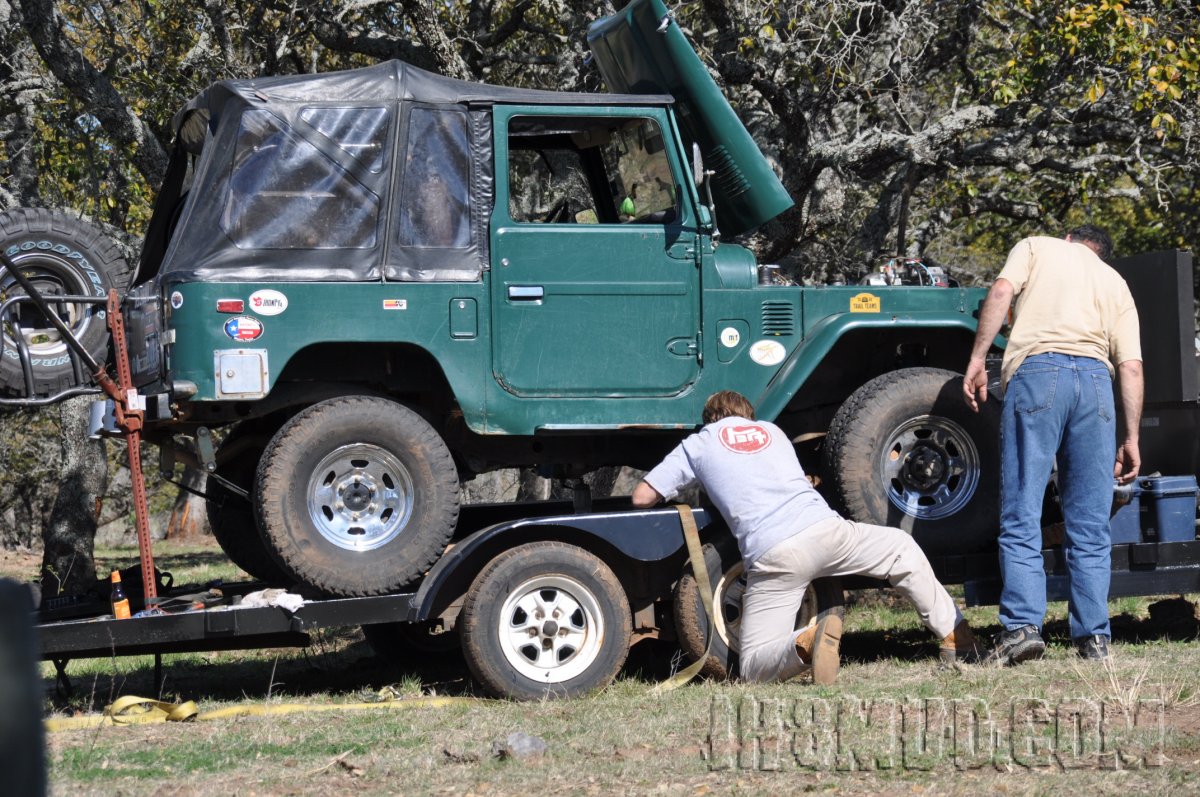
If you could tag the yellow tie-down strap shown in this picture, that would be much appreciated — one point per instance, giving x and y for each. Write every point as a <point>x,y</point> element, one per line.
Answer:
<point>700,570</point>
<point>131,710</point>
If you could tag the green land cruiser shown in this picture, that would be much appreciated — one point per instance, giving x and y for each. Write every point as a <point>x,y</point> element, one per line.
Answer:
<point>383,281</point>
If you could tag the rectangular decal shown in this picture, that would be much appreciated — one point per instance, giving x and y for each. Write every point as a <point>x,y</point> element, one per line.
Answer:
<point>395,304</point>
<point>864,303</point>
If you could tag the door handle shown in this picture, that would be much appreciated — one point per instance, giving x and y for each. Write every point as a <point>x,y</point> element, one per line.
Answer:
<point>526,292</point>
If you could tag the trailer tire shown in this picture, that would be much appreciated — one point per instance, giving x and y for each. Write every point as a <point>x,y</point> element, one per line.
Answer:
<point>906,451</point>
<point>726,576</point>
<point>575,647</point>
<point>230,516</point>
<point>64,256</point>
<point>356,495</point>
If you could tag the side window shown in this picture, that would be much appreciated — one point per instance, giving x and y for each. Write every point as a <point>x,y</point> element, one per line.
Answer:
<point>361,132</point>
<point>589,170</point>
<point>435,209</point>
<point>284,193</point>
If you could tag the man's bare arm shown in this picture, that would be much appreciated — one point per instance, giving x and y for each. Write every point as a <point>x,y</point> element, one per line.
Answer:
<point>1131,389</point>
<point>991,318</point>
<point>645,496</point>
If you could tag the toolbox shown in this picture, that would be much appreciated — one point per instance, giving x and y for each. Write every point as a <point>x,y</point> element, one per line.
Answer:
<point>1160,509</point>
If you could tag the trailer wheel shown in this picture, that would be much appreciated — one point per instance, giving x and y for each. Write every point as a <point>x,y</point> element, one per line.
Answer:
<point>728,581</point>
<point>62,256</point>
<point>545,619</point>
<point>906,451</point>
<point>230,516</point>
<point>356,496</point>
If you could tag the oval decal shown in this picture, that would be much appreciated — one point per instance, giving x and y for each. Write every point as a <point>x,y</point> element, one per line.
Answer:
<point>267,302</point>
<point>745,439</point>
<point>244,327</point>
<point>767,352</point>
<point>176,299</point>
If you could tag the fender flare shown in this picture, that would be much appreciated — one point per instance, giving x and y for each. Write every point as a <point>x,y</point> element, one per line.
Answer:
<point>809,355</point>
<point>643,536</point>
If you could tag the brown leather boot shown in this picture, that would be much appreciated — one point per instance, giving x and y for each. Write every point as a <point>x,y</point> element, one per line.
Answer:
<point>826,644</point>
<point>804,641</point>
<point>961,646</point>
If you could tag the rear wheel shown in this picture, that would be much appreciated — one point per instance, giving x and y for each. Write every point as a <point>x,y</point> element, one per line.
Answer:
<point>728,580</point>
<point>62,256</point>
<point>356,496</point>
<point>545,619</point>
<point>906,451</point>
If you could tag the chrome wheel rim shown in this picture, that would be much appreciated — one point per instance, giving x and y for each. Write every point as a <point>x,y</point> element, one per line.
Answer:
<point>551,629</point>
<point>930,467</point>
<point>360,497</point>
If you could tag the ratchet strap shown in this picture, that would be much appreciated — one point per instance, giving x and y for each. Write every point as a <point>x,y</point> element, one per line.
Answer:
<point>700,570</point>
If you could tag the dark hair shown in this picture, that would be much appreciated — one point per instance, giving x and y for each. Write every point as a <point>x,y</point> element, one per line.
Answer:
<point>1091,234</point>
<point>726,404</point>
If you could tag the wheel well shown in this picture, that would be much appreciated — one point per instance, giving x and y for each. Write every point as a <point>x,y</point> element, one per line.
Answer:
<point>860,356</point>
<point>396,369</point>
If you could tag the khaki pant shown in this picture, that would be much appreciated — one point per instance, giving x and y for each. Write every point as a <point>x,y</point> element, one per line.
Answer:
<point>776,583</point>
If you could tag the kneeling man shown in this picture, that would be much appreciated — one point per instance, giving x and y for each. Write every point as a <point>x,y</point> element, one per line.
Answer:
<point>788,536</point>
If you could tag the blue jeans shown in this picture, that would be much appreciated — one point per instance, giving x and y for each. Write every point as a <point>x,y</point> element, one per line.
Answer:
<point>1057,406</point>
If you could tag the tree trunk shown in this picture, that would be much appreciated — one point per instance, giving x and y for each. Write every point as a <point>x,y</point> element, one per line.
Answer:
<point>188,519</point>
<point>68,565</point>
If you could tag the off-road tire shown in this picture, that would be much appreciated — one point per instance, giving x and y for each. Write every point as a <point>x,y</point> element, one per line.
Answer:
<point>909,418</point>
<point>62,255</point>
<point>724,565</point>
<point>364,455</point>
<point>593,637</point>
<point>230,516</point>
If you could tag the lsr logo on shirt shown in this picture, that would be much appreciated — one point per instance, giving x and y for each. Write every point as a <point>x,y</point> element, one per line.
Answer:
<point>745,439</point>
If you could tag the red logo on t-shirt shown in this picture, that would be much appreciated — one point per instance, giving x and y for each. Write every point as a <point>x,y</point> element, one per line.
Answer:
<point>745,439</point>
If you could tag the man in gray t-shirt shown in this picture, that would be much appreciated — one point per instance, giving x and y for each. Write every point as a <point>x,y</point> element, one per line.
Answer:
<point>789,536</point>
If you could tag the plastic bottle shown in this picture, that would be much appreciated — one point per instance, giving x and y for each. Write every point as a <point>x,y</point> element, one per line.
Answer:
<point>120,604</point>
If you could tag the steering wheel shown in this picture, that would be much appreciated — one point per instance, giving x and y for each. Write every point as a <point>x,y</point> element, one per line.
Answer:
<point>560,213</point>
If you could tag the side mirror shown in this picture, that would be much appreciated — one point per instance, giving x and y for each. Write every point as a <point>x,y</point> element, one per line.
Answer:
<point>697,165</point>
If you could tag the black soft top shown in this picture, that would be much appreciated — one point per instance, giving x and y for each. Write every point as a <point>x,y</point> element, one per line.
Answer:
<point>390,80</point>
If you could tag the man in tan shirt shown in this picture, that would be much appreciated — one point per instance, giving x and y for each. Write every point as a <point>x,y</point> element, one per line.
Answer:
<point>1075,328</point>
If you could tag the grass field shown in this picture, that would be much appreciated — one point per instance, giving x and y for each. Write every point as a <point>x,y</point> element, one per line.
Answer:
<point>705,738</point>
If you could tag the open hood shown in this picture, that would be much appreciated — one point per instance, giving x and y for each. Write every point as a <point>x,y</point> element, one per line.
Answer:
<point>640,50</point>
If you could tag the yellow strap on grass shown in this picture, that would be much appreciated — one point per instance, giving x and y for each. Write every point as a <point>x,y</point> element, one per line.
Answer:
<point>691,536</point>
<point>131,710</point>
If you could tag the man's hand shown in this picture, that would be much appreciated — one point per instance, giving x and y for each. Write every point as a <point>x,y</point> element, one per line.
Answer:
<point>645,496</point>
<point>1129,461</point>
<point>975,383</point>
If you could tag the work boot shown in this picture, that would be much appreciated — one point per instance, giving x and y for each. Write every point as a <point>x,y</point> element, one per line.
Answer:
<point>961,646</point>
<point>805,640</point>
<point>1015,646</point>
<point>827,640</point>
<point>1092,648</point>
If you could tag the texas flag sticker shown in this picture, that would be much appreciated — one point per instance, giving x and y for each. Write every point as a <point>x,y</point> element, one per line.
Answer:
<point>745,439</point>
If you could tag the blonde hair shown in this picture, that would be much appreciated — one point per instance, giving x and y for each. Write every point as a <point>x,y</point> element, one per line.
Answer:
<point>725,404</point>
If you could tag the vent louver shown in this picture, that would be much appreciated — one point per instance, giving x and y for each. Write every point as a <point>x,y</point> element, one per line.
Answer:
<point>778,318</point>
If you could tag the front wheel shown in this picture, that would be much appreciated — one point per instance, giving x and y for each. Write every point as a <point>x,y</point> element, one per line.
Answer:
<point>356,496</point>
<point>728,580</point>
<point>906,451</point>
<point>545,619</point>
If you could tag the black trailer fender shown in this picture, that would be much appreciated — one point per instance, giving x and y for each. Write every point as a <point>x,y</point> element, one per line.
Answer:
<point>641,536</point>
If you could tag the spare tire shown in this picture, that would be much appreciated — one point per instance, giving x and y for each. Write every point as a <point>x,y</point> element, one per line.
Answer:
<point>906,451</point>
<point>62,256</point>
<point>356,496</point>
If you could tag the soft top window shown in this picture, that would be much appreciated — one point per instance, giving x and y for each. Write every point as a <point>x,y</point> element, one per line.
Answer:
<point>284,193</point>
<point>435,209</point>
<point>361,132</point>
